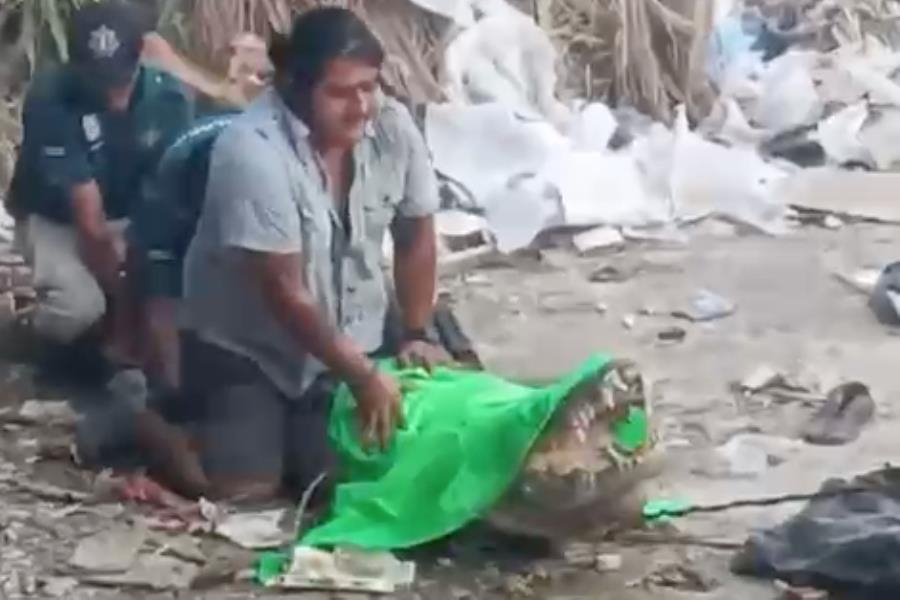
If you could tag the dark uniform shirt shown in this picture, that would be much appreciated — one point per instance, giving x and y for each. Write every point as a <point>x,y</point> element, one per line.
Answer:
<point>163,224</point>
<point>68,141</point>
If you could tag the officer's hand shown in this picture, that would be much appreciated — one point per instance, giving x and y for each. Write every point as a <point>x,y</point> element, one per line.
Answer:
<point>379,408</point>
<point>419,353</point>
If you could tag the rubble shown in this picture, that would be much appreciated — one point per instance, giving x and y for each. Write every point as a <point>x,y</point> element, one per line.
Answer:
<point>110,551</point>
<point>254,531</point>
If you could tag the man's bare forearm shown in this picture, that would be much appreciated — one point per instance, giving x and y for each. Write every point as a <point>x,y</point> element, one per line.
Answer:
<point>298,313</point>
<point>100,255</point>
<point>162,358</point>
<point>415,270</point>
<point>97,243</point>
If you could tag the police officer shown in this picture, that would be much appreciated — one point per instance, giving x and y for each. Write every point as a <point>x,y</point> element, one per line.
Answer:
<point>94,128</point>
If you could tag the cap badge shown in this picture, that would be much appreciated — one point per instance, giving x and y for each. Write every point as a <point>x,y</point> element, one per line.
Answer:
<point>104,42</point>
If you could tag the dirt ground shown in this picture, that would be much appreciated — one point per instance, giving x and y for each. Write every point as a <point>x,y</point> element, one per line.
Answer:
<point>537,318</point>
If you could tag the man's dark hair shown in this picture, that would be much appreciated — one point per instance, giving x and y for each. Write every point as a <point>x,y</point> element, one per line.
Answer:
<point>317,37</point>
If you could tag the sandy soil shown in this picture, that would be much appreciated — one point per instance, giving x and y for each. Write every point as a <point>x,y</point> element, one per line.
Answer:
<point>535,319</point>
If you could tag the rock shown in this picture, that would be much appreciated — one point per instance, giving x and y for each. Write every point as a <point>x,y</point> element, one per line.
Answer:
<point>40,412</point>
<point>151,571</point>
<point>111,551</point>
<point>629,321</point>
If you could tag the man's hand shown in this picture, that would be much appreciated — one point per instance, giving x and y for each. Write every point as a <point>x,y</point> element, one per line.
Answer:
<point>379,407</point>
<point>421,353</point>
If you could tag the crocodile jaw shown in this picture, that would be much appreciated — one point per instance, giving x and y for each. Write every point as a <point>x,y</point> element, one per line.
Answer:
<point>578,479</point>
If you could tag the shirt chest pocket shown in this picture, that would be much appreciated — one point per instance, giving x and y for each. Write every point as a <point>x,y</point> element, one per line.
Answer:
<point>382,199</point>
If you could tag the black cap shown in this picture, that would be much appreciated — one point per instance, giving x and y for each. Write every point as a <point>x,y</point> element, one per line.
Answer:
<point>105,42</point>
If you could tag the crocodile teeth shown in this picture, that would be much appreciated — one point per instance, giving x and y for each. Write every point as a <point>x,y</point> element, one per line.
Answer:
<point>581,435</point>
<point>609,399</point>
<point>584,417</point>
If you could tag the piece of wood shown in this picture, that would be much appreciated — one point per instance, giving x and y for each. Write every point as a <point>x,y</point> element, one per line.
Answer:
<point>861,195</point>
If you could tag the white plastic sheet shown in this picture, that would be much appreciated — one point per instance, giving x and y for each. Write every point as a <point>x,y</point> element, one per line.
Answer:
<point>485,147</point>
<point>881,138</point>
<point>518,212</point>
<point>505,57</point>
<point>789,97</point>
<point>598,188</point>
<point>593,128</point>
<point>839,134</point>
<point>460,11</point>
<point>736,183</point>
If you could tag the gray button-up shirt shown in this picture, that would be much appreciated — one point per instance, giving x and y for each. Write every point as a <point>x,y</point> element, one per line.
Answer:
<point>266,193</point>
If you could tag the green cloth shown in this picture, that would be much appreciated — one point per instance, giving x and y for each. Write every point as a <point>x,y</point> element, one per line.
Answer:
<point>466,437</point>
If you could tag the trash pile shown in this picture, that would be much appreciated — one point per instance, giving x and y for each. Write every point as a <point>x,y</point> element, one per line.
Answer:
<point>806,109</point>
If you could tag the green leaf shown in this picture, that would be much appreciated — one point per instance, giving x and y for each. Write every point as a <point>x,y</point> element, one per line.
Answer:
<point>53,19</point>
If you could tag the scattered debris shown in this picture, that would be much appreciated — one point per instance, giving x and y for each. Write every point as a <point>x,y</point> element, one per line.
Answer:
<point>180,546</point>
<point>747,456</point>
<point>827,191</point>
<point>254,531</point>
<point>840,421</point>
<point>763,377</point>
<point>672,335</point>
<point>581,555</point>
<point>682,578</point>
<point>607,563</point>
<point>884,299</point>
<point>47,491</point>
<point>832,222</point>
<point>706,306</point>
<point>40,412</point>
<point>611,274</point>
<point>345,570</point>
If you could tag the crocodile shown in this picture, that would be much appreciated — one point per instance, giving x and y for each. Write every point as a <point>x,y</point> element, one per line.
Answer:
<point>579,479</point>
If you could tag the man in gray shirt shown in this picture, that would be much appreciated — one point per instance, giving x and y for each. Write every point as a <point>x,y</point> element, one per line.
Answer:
<point>284,287</point>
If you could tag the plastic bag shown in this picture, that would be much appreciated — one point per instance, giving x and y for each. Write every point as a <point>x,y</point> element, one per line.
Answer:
<point>466,436</point>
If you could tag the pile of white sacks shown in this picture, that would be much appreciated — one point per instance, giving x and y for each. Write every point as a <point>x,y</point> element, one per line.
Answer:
<point>528,162</point>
